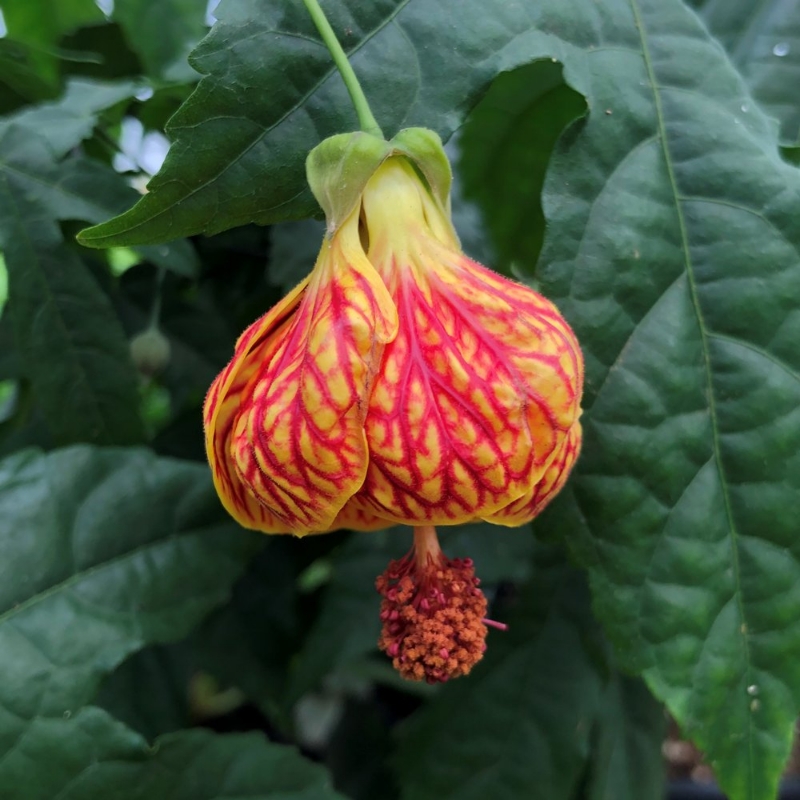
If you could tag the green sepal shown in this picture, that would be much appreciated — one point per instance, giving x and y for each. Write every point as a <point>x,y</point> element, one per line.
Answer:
<point>338,170</point>
<point>424,148</point>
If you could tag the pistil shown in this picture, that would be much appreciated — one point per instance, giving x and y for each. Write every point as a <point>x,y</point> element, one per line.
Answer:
<point>433,613</point>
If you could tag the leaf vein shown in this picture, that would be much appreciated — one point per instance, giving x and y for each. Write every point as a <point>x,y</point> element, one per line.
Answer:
<point>706,356</point>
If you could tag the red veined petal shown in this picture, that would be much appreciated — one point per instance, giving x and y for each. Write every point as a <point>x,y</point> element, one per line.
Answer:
<point>555,476</point>
<point>355,516</point>
<point>254,349</point>
<point>481,383</point>
<point>298,441</point>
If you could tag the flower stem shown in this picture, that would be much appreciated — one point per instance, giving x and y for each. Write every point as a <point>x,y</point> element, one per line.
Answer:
<point>365,117</point>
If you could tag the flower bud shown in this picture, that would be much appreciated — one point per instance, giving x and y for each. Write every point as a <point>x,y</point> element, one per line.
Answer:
<point>150,351</point>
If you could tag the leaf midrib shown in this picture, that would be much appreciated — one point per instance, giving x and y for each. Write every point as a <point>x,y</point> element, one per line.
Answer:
<point>693,293</point>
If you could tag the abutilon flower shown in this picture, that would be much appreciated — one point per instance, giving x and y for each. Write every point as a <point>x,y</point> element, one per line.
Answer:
<point>401,382</point>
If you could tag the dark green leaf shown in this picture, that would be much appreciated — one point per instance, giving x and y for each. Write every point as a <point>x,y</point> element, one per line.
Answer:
<point>71,344</point>
<point>201,342</point>
<point>792,155</point>
<point>89,190</point>
<point>520,725</point>
<point>10,365</point>
<point>512,132</point>
<point>149,691</point>
<point>19,77</point>
<point>177,256</point>
<point>763,41</point>
<point>74,349</point>
<point>104,551</point>
<point>627,763</point>
<point>362,730</point>
<point>24,427</point>
<point>249,642</point>
<point>113,58</point>
<point>468,218</point>
<point>295,246</point>
<point>271,93</point>
<point>40,24</point>
<point>162,33</point>
<point>78,188</point>
<point>72,118</point>
<point>245,646</point>
<point>90,755</point>
<point>500,554</point>
<point>348,625</point>
<point>674,249</point>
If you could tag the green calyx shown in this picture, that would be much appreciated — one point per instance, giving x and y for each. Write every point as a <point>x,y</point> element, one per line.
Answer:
<point>424,148</point>
<point>339,167</point>
<point>338,170</point>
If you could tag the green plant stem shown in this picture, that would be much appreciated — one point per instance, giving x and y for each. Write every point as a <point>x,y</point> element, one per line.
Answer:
<point>155,309</point>
<point>365,116</point>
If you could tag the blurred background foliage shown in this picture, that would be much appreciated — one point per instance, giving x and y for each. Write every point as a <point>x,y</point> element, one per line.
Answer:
<point>148,647</point>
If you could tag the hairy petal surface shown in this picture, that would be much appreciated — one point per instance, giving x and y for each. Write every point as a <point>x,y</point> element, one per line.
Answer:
<point>531,504</point>
<point>480,385</point>
<point>298,440</point>
<point>355,516</point>
<point>476,392</point>
<point>254,349</point>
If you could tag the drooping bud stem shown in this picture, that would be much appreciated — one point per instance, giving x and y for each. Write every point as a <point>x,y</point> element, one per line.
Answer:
<point>155,309</point>
<point>365,117</point>
<point>433,613</point>
<point>150,349</point>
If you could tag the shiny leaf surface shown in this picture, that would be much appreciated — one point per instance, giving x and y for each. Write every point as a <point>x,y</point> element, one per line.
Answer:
<point>763,41</point>
<point>688,313</point>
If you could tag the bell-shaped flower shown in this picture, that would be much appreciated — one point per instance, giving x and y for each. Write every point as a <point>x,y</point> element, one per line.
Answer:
<point>401,382</point>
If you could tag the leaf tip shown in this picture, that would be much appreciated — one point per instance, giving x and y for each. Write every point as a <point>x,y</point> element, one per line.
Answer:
<point>94,236</point>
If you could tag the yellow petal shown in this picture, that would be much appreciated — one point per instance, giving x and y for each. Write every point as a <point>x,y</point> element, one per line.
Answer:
<point>356,517</point>
<point>254,349</point>
<point>481,383</point>
<point>555,476</point>
<point>298,442</point>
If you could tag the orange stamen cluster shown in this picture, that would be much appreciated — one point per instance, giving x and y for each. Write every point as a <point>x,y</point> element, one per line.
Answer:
<point>433,613</point>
